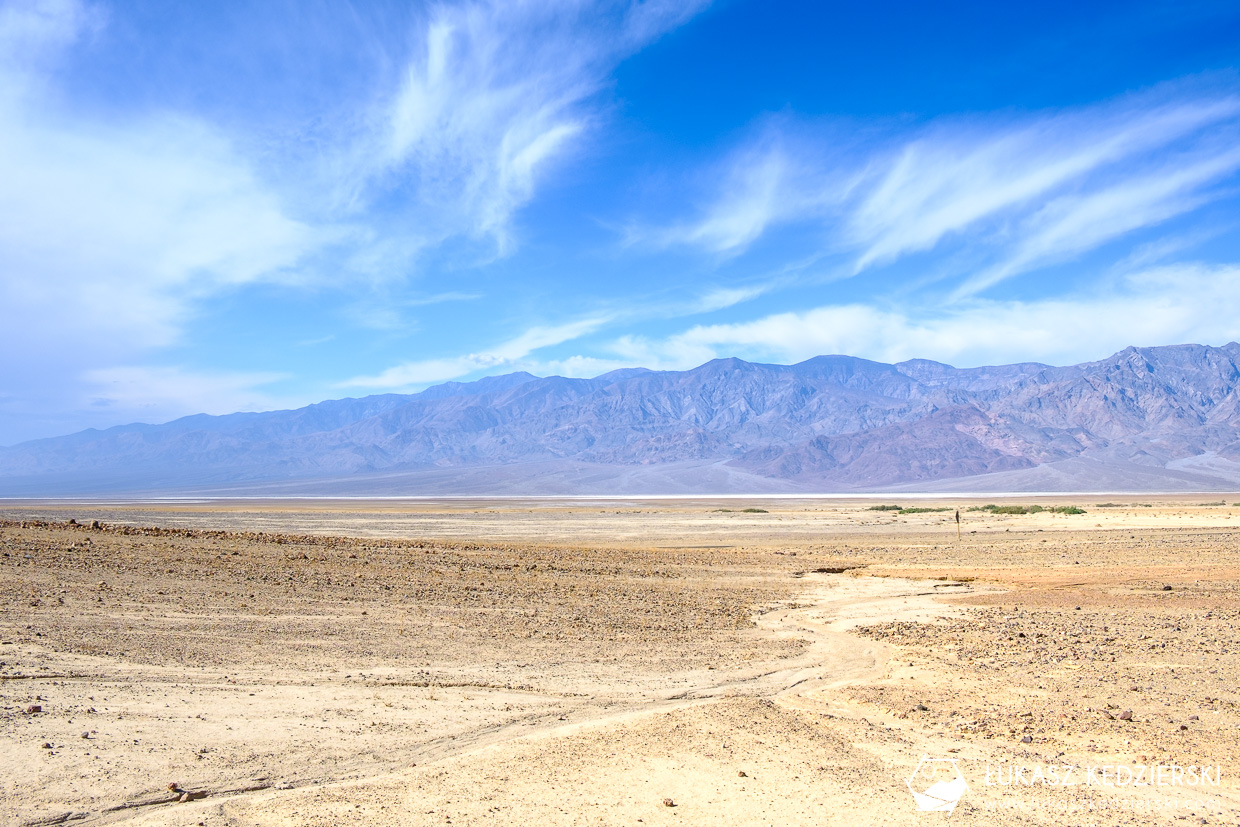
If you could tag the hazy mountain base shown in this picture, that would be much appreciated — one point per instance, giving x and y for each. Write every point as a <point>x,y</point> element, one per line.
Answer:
<point>551,479</point>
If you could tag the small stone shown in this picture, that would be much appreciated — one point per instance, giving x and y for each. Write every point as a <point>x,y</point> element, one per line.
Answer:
<point>922,708</point>
<point>1126,715</point>
<point>1166,588</point>
<point>184,797</point>
<point>46,745</point>
<point>85,734</point>
<point>741,774</point>
<point>174,786</point>
<point>1028,739</point>
<point>1183,728</point>
<point>1193,718</point>
<point>667,802</point>
<point>33,708</point>
<point>94,524</point>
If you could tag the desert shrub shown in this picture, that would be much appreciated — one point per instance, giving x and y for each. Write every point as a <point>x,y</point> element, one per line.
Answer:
<point>884,508</point>
<point>1029,509</point>
<point>920,510</point>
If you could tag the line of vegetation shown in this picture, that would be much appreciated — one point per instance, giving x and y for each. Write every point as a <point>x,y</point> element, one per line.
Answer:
<point>742,511</point>
<point>920,510</point>
<point>1029,509</point>
<point>1211,504</point>
<point>884,508</point>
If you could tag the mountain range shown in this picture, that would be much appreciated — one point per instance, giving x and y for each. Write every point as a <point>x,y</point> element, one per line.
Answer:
<point>1144,419</point>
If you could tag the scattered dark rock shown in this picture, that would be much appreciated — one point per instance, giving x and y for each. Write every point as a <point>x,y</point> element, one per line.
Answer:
<point>667,802</point>
<point>46,745</point>
<point>741,774</point>
<point>1166,588</point>
<point>33,708</point>
<point>1126,715</point>
<point>1028,739</point>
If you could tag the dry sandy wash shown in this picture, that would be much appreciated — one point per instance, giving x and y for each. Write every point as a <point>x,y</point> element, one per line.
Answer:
<point>637,662</point>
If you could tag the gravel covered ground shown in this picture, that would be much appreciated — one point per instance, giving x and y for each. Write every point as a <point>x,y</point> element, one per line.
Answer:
<point>281,677</point>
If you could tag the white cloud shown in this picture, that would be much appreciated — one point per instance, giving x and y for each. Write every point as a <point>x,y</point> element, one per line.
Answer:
<point>1018,192</point>
<point>495,92</point>
<point>1074,222</point>
<point>427,371</point>
<point>1189,303</point>
<point>723,297</point>
<point>110,233</point>
<point>959,175</point>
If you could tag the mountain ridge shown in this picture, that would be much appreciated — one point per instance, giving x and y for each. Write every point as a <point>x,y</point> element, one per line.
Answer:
<point>827,424</point>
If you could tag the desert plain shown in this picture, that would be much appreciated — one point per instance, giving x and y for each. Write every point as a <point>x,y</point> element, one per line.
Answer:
<point>592,661</point>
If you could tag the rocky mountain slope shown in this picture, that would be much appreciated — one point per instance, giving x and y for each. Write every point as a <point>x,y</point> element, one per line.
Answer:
<point>1163,418</point>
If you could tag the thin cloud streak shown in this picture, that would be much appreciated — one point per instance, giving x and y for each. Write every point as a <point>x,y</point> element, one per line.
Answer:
<point>1018,192</point>
<point>426,371</point>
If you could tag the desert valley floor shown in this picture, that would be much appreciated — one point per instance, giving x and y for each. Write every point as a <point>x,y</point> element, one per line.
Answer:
<point>713,662</point>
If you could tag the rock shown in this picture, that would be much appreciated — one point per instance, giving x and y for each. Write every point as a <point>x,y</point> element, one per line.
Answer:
<point>1166,588</point>
<point>922,708</point>
<point>667,802</point>
<point>741,774</point>
<point>33,708</point>
<point>1193,718</point>
<point>46,745</point>
<point>85,734</point>
<point>1028,739</point>
<point>174,786</point>
<point>1183,728</point>
<point>1126,715</point>
<point>184,797</point>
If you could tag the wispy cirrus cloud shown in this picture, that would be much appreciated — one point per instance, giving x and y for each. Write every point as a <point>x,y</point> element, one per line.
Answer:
<point>505,354</point>
<point>1020,191</point>
<point>493,94</point>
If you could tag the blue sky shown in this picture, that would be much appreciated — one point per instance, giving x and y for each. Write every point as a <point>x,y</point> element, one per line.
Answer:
<point>244,206</point>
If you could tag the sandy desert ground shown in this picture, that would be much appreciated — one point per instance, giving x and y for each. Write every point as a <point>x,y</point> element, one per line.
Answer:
<point>619,662</point>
